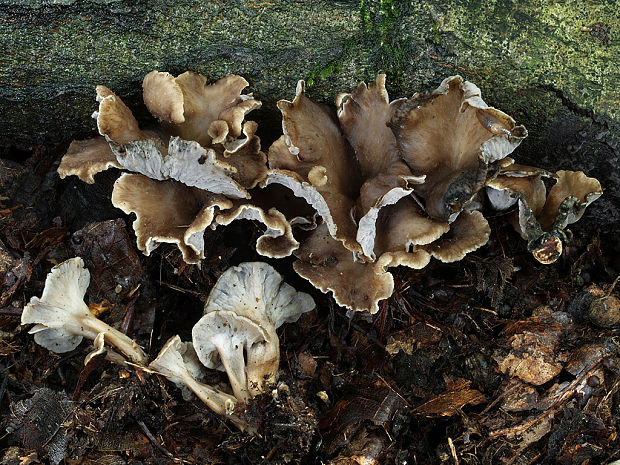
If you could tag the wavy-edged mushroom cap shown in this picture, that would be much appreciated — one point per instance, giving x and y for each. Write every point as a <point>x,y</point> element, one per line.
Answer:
<point>504,191</point>
<point>364,115</point>
<point>451,136</point>
<point>330,267</point>
<point>569,197</point>
<point>193,110</point>
<point>115,120</point>
<point>257,291</point>
<point>62,318</point>
<point>315,161</point>
<point>377,194</point>
<point>469,232</point>
<point>277,240</point>
<point>542,221</point>
<point>566,203</point>
<point>232,336</point>
<point>86,158</point>
<point>168,212</point>
<point>184,161</point>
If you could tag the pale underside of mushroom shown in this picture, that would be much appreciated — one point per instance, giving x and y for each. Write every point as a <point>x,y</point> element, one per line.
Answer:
<point>62,318</point>
<point>257,292</point>
<point>157,155</point>
<point>215,169</point>
<point>168,212</point>
<point>174,362</point>
<point>232,336</point>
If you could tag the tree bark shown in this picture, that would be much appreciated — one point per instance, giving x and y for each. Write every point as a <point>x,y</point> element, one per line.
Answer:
<point>552,65</point>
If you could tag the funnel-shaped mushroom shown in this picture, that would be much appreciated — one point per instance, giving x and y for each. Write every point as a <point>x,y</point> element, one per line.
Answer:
<point>366,199</point>
<point>254,292</point>
<point>451,136</point>
<point>172,363</point>
<point>232,336</point>
<point>62,318</point>
<point>543,221</point>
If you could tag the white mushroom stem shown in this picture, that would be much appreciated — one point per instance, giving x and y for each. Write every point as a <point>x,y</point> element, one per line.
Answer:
<point>263,362</point>
<point>62,318</point>
<point>170,363</point>
<point>230,335</point>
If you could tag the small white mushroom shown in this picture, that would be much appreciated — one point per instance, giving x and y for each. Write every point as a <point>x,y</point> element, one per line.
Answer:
<point>256,292</point>
<point>62,318</point>
<point>178,369</point>
<point>170,363</point>
<point>231,336</point>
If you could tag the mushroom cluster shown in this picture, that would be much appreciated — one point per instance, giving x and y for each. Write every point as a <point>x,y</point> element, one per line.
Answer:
<point>237,333</point>
<point>200,160</point>
<point>394,182</point>
<point>399,182</point>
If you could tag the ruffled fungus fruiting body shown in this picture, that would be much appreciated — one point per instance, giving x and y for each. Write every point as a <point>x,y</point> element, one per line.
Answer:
<point>394,182</point>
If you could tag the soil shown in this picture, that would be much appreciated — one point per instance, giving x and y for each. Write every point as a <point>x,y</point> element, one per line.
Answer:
<point>494,359</point>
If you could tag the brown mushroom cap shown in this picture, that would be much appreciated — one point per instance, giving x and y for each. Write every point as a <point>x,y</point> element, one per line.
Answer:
<point>504,191</point>
<point>573,184</point>
<point>277,241</point>
<point>377,193</point>
<point>451,136</point>
<point>245,156</point>
<point>469,232</point>
<point>363,115</point>
<point>329,266</point>
<point>115,120</point>
<point>193,110</point>
<point>403,227</point>
<point>314,150</point>
<point>86,158</point>
<point>542,220</point>
<point>167,212</point>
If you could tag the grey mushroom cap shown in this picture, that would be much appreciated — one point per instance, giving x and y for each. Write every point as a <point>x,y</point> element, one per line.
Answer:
<point>257,292</point>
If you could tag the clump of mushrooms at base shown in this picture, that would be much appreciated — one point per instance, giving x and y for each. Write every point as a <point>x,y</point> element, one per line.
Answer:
<point>237,333</point>
<point>385,183</point>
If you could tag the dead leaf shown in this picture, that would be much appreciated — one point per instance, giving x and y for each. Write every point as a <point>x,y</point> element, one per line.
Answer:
<point>419,335</point>
<point>457,395</point>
